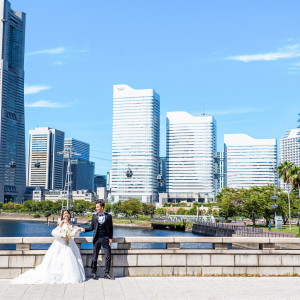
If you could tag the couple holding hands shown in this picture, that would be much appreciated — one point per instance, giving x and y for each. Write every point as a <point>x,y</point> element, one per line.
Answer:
<point>62,262</point>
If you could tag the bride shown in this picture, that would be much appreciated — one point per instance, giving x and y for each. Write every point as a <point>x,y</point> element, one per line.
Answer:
<point>62,262</point>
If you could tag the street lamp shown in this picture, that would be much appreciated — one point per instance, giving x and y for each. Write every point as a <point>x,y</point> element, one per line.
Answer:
<point>253,221</point>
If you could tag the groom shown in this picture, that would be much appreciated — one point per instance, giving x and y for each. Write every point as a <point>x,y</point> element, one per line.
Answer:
<point>103,233</point>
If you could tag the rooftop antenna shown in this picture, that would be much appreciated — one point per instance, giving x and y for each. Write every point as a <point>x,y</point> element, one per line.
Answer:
<point>67,192</point>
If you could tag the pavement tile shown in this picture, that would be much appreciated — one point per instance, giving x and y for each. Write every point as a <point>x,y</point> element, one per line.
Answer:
<point>156,288</point>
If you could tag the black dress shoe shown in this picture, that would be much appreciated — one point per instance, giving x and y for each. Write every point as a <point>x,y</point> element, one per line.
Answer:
<point>107,276</point>
<point>95,276</point>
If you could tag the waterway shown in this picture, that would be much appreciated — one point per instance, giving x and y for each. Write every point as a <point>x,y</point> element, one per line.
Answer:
<point>17,228</point>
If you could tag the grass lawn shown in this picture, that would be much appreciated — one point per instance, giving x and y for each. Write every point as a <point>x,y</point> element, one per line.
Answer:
<point>285,228</point>
<point>127,221</point>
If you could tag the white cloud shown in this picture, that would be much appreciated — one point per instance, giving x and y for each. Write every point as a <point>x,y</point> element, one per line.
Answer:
<point>33,89</point>
<point>283,53</point>
<point>241,110</point>
<point>46,103</point>
<point>59,50</point>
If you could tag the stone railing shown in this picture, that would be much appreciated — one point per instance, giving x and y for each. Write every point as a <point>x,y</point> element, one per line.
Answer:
<point>222,256</point>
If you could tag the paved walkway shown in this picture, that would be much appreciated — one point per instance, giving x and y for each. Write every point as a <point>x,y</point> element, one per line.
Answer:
<point>152,288</point>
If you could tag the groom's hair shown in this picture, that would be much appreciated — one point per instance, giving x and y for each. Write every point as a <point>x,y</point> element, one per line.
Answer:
<point>101,202</point>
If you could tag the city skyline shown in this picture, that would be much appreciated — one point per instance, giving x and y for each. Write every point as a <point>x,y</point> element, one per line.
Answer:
<point>244,74</point>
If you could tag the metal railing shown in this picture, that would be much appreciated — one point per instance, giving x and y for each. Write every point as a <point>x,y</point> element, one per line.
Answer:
<point>245,230</point>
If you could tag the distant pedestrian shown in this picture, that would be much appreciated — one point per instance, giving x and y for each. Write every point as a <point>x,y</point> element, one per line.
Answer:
<point>269,226</point>
<point>245,224</point>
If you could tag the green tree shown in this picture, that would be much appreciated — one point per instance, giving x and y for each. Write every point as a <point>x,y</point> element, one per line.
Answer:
<point>192,211</point>
<point>253,207</point>
<point>47,214</point>
<point>227,200</point>
<point>160,211</point>
<point>80,206</point>
<point>116,208</point>
<point>108,207</point>
<point>295,178</point>
<point>30,205</point>
<point>131,207</point>
<point>284,171</point>
<point>180,211</point>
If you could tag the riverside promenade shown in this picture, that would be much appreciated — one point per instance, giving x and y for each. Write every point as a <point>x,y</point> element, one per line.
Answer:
<point>153,288</point>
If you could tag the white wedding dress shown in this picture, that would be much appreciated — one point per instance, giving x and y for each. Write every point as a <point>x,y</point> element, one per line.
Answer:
<point>61,264</point>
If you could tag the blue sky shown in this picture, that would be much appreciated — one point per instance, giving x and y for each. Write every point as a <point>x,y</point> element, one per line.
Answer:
<point>236,60</point>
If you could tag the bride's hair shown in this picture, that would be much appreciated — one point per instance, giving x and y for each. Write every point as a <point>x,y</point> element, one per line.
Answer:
<point>62,213</point>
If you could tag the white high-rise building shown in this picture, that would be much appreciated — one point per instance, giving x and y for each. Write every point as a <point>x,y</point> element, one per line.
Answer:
<point>191,147</point>
<point>44,145</point>
<point>12,124</point>
<point>249,162</point>
<point>135,144</point>
<point>289,149</point>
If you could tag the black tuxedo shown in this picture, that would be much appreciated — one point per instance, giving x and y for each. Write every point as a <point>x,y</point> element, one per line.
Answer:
<point>102,234</point>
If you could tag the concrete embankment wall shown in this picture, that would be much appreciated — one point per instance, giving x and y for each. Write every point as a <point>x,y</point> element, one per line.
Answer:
<point>172,261</point>
<point>208,230</point>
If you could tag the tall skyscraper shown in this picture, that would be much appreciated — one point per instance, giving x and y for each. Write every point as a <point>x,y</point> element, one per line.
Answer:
<point>100,181</point>
<point>44,145</point>
<point>221,172</point>
<point>82,174</point>
<point>191,147</point>
<point>80,147</point>
<point>135,144</point>
<point>82,168</point>
<point>249,162</point>
<point>12,135</point>
<point>289,149</point>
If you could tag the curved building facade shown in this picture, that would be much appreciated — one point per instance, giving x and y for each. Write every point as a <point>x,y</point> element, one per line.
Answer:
<point>191,147</point>
<point>135,144</point>
<point>249,162</point>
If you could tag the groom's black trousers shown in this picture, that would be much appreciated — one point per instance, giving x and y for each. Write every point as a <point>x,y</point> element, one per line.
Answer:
<point>104,242</point>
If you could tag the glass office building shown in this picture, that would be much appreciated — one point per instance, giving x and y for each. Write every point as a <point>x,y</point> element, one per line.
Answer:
<point>12,123</point>
<point>135,144</point>
<point>191,147</point>
<point>80,147</point>
<point>82,174</point>
<point>44,145</point>
<point>249,162</point>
